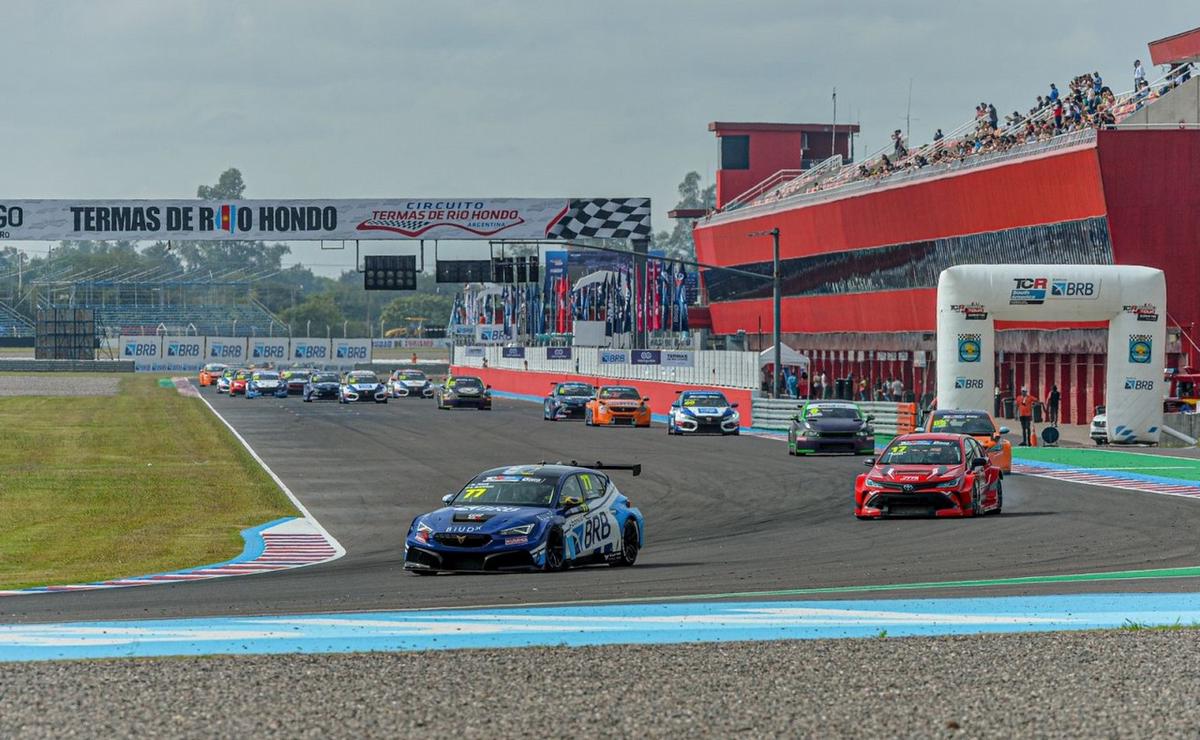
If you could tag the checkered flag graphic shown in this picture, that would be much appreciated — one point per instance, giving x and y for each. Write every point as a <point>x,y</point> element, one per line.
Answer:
<point>605,218</point>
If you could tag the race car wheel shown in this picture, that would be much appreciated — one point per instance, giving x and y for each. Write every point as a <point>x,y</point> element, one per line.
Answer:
<point>999,497</point>
<point>555,551</point>
<point>424,572</point>
<point>307,399</point>
<point>976,501</point>
<point>670,427</point>
<point>587,418</point>
<point>629,546</point>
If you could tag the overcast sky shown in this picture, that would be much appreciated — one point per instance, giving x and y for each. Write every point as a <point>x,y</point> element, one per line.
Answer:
<point>506,98</point>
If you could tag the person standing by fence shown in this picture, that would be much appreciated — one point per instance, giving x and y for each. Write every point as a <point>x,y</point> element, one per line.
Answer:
<point>1052,402</point>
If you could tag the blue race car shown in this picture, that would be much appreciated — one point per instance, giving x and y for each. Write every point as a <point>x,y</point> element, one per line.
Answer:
<point>362,385</point>
<point>528,517</point>
<point>323,385</point>
<point>567,401</point>
<point>265,382</point>
<point>703,411</point>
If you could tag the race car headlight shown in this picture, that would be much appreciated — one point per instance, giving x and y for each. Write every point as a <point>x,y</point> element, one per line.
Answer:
<point>872,483</point>
<point>523,529</point>
<point>424,532</point>
<point>735,416</point>
<point>952,483</point>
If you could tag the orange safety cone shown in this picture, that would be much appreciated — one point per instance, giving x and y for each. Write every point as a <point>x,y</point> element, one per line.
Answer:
<point>1033,435</point>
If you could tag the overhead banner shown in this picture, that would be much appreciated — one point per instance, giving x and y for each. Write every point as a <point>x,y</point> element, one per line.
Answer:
<point>383,218</point>
<point>268,349</point>
<point>182,354</point>
<point>350,352</point>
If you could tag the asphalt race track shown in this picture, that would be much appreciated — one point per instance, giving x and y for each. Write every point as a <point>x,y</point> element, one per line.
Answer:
<point>724,515</point>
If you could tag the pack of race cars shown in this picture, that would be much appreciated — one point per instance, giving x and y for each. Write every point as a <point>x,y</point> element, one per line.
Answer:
<point>550,517</point>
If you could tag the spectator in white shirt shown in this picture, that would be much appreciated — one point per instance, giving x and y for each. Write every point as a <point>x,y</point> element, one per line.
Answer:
<point>897,390</point>
<point>1139,75</point>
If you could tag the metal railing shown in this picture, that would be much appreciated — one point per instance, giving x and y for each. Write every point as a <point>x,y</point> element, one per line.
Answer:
<point>889,419</point>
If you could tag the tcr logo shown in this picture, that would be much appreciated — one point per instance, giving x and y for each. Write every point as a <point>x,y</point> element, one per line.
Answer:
<point>1030,283</point>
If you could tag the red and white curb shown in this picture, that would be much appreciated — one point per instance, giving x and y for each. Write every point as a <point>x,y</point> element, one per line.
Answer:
<point>1099,478</point>
<point>276,546</point>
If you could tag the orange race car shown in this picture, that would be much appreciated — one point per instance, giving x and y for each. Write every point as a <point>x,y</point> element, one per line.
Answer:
<point>978,424</point>
<point>210,372</point>
<point>617,404</point>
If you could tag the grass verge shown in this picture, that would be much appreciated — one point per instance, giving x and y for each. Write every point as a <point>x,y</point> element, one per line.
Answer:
<point>103,487</point>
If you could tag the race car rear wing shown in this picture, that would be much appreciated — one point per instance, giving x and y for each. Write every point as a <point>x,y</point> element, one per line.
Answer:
<point>635,468</point>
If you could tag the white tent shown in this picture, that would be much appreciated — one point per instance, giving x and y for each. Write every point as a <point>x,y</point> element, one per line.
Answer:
<point>787,356</point>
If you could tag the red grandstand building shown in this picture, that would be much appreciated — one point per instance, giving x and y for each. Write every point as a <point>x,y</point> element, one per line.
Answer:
<point>863,245</point>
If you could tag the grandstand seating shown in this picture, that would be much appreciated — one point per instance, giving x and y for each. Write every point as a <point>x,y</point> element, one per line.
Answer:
<point>241,320</point>
<point>14,324</point>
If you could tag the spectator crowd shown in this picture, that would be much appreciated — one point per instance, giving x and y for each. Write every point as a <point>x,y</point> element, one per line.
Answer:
<point>1088,103</point>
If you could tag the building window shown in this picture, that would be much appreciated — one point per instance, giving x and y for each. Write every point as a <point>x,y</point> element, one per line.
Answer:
<point>735,153</point>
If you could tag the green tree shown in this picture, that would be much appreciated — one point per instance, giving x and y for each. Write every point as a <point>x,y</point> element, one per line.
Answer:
<point>432,307</point>
<point>318,311</point>
<point>223,256</point>
<point>230,186</point>
<point>678,241</point>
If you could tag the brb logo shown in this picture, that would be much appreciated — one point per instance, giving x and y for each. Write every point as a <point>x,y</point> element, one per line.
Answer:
<point>1073,290</point>
<point>268,351</point>
<point>1140,348</point>
<point>596,530</point>
<point>219,351</point>
<point>137,349</point>
<point>1134,384</point>
<point>350,352</point>
<point>1028,292</point>
<point>970,347</point>
<point>968,383</point>
<point>309,352</point>
<point>183,349</point>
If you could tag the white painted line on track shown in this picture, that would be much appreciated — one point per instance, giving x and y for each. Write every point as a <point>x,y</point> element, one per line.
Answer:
<point>337,546</point>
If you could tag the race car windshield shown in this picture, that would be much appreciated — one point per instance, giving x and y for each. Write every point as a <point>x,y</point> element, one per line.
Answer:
<point>325,378</point>
<point>713,399</point>
<point>580,389</point>
<point>266,376</point>
<point>831,412</point>
<point>363,378</point>
<point>467,383</point>
<point>963,424</point>
<point>412,375</point>
<point>213,368</point>
<point>516,490</point>
<point>620,394</point>
<point>922,452</point>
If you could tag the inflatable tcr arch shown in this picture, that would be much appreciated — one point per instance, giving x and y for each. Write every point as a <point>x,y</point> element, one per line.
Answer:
<point>971,298</point>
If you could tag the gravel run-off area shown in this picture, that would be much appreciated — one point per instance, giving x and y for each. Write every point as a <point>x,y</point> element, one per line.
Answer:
<point>52,384</point>
<point>1095,684</point>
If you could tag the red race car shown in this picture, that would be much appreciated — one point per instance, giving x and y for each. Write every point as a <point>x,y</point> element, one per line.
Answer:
<point>936,475</point>
<point>238,384</point>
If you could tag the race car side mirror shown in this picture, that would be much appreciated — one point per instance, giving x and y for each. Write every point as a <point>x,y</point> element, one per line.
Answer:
<point>979,462</point>
<point>733,405</point>
<point>869,462</point>
<point>870,417</point>
<point>646,399</point>
<point>1003,430</point>
<point>447,498</point>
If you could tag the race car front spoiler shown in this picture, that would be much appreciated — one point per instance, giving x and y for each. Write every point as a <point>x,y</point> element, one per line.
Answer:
<point>420,558</point>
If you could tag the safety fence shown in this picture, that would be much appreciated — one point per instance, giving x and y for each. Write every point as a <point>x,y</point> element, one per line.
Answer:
<point>890,419</point>
<point>716,368</point>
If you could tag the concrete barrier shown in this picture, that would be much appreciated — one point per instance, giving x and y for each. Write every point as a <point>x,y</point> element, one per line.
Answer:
<point>537,385</point>
<point>66,366</point>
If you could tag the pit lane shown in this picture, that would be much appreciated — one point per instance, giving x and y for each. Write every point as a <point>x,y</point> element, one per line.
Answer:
<point>724,515</point>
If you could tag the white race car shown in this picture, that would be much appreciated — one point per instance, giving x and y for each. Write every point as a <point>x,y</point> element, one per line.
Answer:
<point>408,383</point>
<point>362,385</point>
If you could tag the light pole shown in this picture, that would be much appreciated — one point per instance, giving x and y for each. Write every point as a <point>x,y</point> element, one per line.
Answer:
<point>776,290</point>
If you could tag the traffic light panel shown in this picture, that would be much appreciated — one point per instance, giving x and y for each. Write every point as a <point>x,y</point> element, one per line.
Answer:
<point>390,272</point>
<point>502,270</point>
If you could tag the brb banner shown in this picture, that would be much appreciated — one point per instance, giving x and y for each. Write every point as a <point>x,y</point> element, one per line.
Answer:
<point>182,354</point>
<point>1132,299</point>
<point>145,352</point>
<point>391,218</point>
<point>349,352</point>
<point>268,349</point>
<point>226,350</point>
<point>309,351</point>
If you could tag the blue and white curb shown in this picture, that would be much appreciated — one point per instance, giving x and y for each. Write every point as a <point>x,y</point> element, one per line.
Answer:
<point>279,545</point>
<point>592,625</point>
<point>1111,479</point>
